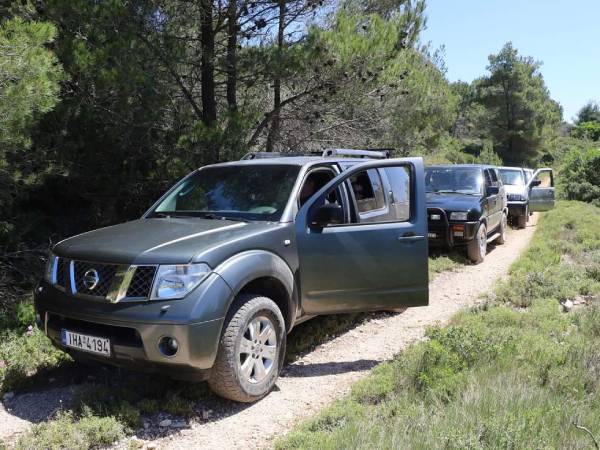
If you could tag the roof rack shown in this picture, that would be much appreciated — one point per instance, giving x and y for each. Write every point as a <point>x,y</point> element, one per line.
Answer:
<point>355,153</point>
<point>330,152</point>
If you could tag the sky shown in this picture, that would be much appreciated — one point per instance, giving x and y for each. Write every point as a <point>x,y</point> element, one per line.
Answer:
<point>563,35</point>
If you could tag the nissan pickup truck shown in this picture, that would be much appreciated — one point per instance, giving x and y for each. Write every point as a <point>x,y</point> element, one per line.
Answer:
<point>527,191</point>
<point>209,281</point>
<point>466,206</point>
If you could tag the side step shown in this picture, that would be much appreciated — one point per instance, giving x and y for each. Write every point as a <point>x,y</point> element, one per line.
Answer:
<point>493,237</point>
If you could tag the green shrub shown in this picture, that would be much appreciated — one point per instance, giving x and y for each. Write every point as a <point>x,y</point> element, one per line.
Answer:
<point>580,176</point>
<point>22,354</point>
<point>68,432</point>
<point>587,130</point>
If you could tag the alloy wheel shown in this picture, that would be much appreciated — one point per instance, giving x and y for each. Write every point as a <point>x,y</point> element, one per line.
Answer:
<point>482,242</point>
<point>258,350</point>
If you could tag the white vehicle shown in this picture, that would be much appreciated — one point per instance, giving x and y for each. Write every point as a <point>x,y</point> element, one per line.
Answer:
<point>527,192</point>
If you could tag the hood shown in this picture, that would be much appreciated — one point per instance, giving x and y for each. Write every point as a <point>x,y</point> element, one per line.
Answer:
<point>453,202</point>
<point>156,240</point>
<point>515,189</point>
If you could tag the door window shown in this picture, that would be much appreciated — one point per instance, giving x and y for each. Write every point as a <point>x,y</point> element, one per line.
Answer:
<point>545,179</point>
<point>313,183</point>
<point>399,179</point>
<point>494,176</point>
<point>488,178</point>
<point>368,191</point>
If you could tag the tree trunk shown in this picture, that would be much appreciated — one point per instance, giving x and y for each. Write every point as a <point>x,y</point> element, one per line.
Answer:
<point>232,35</point>
<point>207,71</point>
<point>276,118</point>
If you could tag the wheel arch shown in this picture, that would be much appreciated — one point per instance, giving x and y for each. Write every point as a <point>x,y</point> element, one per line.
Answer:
<point>262,273</point>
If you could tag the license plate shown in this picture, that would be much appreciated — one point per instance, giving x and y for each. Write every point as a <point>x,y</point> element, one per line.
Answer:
<point>431,235</point>
<point>91,344</point>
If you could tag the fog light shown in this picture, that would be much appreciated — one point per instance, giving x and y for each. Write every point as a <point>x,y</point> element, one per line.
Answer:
<point>168,345</point>
<point>435,217</point>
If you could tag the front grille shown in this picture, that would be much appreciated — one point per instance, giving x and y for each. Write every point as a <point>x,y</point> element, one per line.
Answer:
<point>62,273</point>
<point>141,283</point>
<point>105,274</point>
<point>99,279</point>
<point>514,197</point>
<point>440,228</point>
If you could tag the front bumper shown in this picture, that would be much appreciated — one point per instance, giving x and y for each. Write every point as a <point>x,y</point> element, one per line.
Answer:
<point>446,233</point>
<point>516,209</point>
<point>135,329</point>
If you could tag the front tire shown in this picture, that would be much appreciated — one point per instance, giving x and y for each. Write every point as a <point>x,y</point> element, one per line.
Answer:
<point>477,248</point>
<point>502,230</point>
<point>251,350</point>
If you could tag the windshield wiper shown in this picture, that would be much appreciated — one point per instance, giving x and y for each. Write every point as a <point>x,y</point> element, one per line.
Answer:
<point>443,191</point>
<point>213,216</point>
<point>161,215</point>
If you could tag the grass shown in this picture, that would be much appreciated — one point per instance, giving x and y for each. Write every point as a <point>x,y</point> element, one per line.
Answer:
<point>515,372</point>
<point>446,261</point>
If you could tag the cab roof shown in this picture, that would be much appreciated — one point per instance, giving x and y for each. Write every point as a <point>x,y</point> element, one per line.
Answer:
<point>463,166</point>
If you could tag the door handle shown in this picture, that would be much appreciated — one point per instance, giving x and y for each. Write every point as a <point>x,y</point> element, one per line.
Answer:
<point>410,238</point>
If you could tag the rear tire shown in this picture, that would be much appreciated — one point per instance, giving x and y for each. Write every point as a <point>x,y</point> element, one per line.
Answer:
<point>502,229</point>
<point>477,248</point>
<point>251,350</point>
<point>522,221</point>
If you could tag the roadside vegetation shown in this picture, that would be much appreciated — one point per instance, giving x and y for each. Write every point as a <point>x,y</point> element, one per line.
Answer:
<point>442,261</point>
<point>517,371</point>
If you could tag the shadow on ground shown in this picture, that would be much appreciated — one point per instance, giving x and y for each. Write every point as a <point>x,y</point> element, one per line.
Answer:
<point>144,401</point>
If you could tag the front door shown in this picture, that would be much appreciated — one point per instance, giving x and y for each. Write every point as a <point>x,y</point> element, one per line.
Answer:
<point>541,190</point>
<point>373,259</point>
<point>494,199</point>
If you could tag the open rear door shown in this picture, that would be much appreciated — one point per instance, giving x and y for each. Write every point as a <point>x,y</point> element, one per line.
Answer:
<point>356,262</point>
<point>541,190</point>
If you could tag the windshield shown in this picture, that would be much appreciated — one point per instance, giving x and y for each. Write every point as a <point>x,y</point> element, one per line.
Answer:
<point>462,180</point>
<point>256,192</point>
<point>512,176</point>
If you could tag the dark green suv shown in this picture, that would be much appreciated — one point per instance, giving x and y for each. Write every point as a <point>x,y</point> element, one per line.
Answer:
<point>466,206</point>
<point>209,281</point>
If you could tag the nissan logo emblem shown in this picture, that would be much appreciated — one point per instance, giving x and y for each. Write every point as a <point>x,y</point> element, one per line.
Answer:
<point>91,279</point>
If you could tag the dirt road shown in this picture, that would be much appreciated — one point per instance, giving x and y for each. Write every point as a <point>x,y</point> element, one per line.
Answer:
<point>325,374</point>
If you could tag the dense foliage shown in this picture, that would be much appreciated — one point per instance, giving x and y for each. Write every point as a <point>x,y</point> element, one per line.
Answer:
<point>580,175</point>
<point>106,104</point>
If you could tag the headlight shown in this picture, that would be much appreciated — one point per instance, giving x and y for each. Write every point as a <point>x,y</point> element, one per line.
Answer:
<point>458,216</point>
<point>178,280</point>
<point>50,272</point>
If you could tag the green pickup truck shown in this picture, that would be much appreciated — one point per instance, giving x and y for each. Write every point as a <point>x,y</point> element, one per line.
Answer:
<point>211,279</point>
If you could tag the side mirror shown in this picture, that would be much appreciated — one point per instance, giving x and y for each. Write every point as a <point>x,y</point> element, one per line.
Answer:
<point>492,190</point>
<point>328,214</point>
<point>535,183</point>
